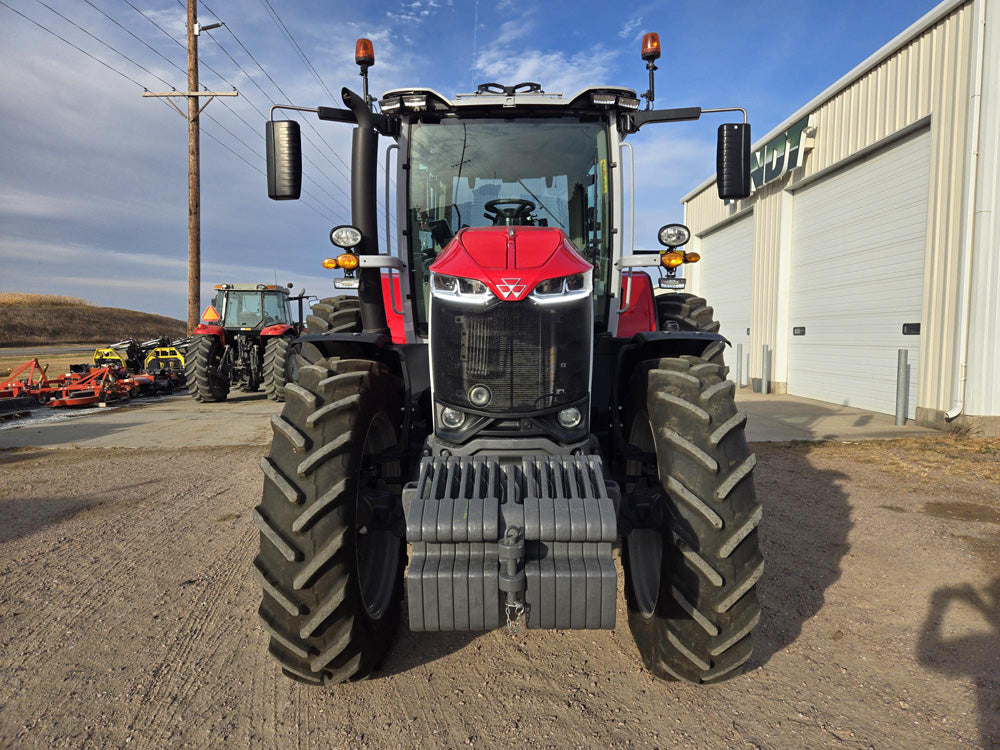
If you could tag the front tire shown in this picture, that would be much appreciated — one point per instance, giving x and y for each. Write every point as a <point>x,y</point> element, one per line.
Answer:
<point>688,312</point>
<point>275,366</point>
<point>201,367</point>
<point>330,564</point>
<point>692,566</point>
<point>341,314</point>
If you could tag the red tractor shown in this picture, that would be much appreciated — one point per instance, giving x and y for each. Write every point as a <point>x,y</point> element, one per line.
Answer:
<point>243,341</point>
<point>517,402</point>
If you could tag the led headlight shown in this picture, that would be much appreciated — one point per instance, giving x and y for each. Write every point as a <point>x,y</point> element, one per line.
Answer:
<point>563,288</point>
<point>674,235</point>
<point>345,236</point>
<point>460,290</point>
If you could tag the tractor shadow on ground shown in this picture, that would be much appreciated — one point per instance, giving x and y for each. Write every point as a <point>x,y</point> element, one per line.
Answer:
<point>413,650</point>
<point>32,513</point>
<point>803,537</point>
<point>974,655</point>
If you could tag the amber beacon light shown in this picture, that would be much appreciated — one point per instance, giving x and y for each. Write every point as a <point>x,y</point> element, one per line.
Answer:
<point>650,46</point>
<point>364,52</point>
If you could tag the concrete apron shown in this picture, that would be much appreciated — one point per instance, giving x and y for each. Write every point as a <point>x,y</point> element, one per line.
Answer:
<point>244,419</point>
<point>782,418</point>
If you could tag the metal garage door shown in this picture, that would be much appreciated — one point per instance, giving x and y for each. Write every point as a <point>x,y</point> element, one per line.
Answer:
<point>857,274</point>
<point>725,280</point>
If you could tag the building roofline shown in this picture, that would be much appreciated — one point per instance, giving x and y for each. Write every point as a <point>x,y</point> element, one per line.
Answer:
<point>929,19</point>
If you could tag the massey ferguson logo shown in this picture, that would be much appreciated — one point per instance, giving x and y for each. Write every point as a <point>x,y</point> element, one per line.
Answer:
<point>511,288</point>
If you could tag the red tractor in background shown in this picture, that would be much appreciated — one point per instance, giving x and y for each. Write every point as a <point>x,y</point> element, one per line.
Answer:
<point>243,342</point>
<point>517,401</point>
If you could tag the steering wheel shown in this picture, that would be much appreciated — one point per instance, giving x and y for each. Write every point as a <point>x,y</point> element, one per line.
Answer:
<point>514,216</point>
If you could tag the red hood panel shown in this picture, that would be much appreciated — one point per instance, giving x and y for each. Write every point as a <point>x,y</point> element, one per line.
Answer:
<point>511,261</point>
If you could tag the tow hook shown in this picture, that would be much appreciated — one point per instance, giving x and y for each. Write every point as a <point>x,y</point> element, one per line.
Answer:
<point>512,579</point>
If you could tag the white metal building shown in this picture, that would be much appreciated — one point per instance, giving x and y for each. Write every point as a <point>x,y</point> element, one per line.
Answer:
<point>873,228</point>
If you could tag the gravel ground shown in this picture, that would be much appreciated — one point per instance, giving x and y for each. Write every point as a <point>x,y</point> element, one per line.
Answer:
<point>127,617</point>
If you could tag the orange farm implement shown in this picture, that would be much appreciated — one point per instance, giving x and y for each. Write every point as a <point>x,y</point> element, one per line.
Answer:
<point>28,386</point>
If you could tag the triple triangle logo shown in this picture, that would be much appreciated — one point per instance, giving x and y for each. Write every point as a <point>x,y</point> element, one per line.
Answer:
<point>511,288</point>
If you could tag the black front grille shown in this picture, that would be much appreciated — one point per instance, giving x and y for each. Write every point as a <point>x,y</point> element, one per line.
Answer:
<point>532,357</point>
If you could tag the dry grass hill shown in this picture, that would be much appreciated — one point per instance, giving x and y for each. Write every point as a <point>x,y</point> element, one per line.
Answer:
<point>40,319</point>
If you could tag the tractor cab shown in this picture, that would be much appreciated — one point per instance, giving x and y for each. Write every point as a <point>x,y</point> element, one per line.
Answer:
<point>251,307</point>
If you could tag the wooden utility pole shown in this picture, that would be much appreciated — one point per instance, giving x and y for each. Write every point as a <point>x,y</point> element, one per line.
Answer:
<point>194,158</point>
<point>194,172</point>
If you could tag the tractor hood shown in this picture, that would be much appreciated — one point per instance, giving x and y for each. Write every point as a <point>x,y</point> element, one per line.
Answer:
<point>511,261</point>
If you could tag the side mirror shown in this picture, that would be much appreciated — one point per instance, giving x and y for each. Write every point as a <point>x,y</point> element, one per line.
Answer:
<point>284,160</point>
<point>732,161</point>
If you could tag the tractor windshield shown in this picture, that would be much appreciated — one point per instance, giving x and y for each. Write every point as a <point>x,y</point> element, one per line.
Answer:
<point>535,172</point>
<point>253,309</point>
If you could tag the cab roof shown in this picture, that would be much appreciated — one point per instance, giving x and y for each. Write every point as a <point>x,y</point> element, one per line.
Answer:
<point>251,288</point>
<point>497,96</point>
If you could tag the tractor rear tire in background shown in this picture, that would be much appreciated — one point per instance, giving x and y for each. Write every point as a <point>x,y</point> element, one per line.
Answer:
<point>331,563</point>
<point>275,366</point>
<point>340,314</point>
<point>688,312</point>
<point>692,568</point>
<point>201,364</point>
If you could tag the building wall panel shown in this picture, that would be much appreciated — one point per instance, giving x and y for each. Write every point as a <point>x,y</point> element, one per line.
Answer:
<point>929,76</point>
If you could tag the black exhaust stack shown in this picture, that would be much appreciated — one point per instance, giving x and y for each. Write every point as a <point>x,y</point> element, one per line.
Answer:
<point>364,159</point>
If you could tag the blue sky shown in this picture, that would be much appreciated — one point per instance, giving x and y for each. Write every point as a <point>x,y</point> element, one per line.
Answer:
<point>93,185</point>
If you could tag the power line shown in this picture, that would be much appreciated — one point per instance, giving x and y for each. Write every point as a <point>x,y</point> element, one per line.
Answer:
<point>101,41</point>
<point>136,36</point>
<point>249,101</point>
<point>267,6</point>
<point>224,103</point>
<point>284,28</point>
<point>79,49</point>
<point>132,80</point>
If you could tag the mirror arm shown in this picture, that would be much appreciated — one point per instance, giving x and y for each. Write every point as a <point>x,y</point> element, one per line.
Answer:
<point>385,125</point>
<point>730,109</point>
<point>289,106</point>
<point>632,121</point>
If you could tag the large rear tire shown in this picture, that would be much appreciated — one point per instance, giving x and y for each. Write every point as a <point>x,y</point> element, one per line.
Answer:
<point>692,568</point>
<point>341,314</point>
<point>687,312</point>
<point>201,365</point>
<point>330,562</point>
<point>276,366</point>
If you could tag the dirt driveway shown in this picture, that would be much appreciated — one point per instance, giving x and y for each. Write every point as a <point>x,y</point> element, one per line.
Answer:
<point>127,617</point>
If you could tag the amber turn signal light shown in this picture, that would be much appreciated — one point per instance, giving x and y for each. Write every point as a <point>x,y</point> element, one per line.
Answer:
<point>650,46</point>
<point>691,257</point>
<point>364,52</point>
<point>672,259</point>
<point>347,261</point>
<point>329,262</point>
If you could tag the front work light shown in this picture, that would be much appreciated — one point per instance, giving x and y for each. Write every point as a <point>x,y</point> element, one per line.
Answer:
<point>345,236</point>
<point>673,235</point>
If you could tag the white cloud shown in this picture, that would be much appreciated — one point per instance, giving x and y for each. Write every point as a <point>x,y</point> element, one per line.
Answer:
<point>630,26</point>
<point>556,71</point>
<point>517,28</point>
